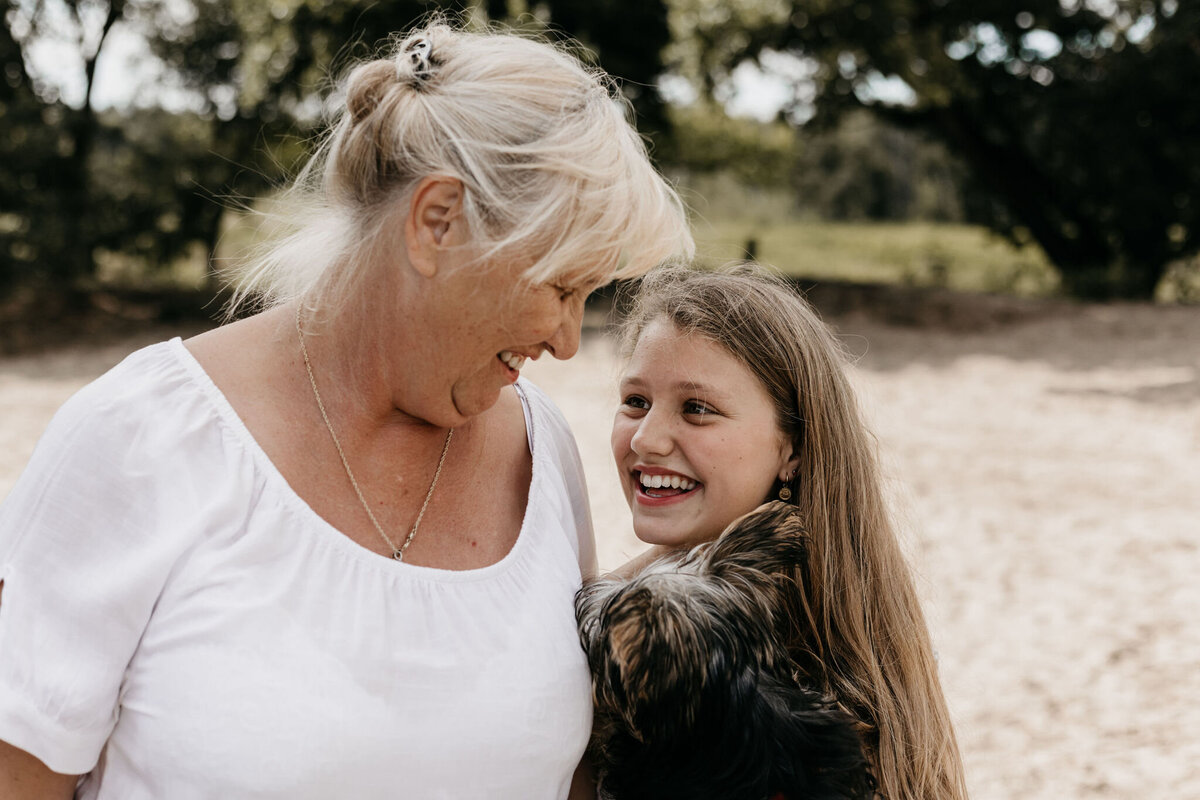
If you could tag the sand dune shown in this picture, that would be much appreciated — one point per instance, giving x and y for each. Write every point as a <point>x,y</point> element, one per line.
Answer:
<point>1048,476</point>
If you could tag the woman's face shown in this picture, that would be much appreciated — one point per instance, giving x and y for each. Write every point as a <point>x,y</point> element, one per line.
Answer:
<point>466,328</point>
<point>695,438</point>
<point>495,322</point>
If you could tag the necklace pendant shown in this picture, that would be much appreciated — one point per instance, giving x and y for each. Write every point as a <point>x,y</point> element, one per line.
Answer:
<point>398,555</point>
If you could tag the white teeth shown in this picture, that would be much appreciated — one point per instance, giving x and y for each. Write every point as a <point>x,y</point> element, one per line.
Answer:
<point>514,360</point>
<point>669,481</point>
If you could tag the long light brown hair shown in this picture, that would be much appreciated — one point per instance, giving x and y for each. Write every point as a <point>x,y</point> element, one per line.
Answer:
<point>859,631</point>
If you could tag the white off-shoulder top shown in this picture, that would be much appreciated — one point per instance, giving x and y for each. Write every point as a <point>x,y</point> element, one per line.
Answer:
<point>177,623</point>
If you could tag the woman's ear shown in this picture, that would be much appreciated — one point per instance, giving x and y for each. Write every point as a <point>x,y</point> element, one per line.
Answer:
<point>435,205</point>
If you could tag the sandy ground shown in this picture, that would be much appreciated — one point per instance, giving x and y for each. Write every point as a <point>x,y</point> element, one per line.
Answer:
<point>1048,474</point>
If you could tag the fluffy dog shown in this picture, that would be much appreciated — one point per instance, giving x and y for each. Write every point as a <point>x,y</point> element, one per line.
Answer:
<point>695,695</point>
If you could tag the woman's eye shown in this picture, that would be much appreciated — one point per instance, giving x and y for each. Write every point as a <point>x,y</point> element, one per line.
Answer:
<point>694,408</point>
<point>564,292</point>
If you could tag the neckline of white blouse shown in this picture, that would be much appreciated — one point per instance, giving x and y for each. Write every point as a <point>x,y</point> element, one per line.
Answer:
<point>226,414</point>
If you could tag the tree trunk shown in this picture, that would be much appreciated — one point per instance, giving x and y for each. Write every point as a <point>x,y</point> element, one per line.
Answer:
<point>83,126</point>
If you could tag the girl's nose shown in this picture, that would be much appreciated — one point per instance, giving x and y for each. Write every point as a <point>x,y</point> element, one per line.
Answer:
<point>653,435</point>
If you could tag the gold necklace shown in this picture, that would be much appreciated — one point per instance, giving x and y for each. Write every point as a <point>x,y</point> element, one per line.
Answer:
<point>397,552</point>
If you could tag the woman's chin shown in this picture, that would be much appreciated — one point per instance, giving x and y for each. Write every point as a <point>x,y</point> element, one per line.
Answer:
<point>473,401</point>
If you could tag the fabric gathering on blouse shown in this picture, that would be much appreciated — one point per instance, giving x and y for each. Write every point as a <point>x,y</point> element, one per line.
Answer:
<point>177,623</point>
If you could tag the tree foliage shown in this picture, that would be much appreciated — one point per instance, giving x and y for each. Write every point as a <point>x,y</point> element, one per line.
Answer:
<point>1070,122</point>
<point>148,184</point>
<point>79,185</point>
<point>45,187</point>
<point>704,139</point>
<point>864,168</point>
<point>1078,116</point>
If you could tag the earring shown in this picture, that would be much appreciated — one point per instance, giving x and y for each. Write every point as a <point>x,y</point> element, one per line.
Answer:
<point>785,493</point>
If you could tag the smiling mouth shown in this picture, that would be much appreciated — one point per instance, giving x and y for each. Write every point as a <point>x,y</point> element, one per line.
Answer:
<point>664,485</point>
<point>513,361</point>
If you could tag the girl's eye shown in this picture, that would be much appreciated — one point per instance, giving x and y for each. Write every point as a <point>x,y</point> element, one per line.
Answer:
<point>694,408</point>
<point>635,402</point>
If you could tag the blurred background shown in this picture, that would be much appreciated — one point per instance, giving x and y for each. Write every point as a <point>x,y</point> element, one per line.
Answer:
<point>1031,147</point>
<point>993,202</point>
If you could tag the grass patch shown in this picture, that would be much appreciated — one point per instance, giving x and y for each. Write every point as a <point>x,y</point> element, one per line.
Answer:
<point>922,254</point>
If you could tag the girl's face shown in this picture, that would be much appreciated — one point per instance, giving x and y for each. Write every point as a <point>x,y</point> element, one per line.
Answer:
<point>695,438</point>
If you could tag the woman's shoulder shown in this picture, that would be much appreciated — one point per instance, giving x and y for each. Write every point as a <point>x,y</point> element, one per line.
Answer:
<point>550,438</point>
<point>102,471</point>
<point>543,417</point>
<point>559,469</point>
<point>146,383</point>
<point>153,403</point>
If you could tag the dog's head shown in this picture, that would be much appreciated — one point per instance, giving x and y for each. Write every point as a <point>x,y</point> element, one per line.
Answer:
<point>694,692</point>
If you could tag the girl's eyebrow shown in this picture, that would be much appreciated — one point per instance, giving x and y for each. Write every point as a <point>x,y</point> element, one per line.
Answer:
<point>684,387</point>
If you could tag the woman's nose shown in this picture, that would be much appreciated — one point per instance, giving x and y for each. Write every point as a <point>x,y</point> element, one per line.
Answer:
<point>565,341</point>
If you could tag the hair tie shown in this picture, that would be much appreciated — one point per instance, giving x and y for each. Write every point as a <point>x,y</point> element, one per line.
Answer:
<point>418,52</point>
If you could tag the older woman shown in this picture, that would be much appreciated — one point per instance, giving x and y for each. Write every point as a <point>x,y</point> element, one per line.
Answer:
<point>330,550</point>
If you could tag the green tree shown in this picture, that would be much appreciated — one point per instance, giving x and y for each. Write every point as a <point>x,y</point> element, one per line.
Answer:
<point>26,156</point>
<point>266,65</point>
<point>704,139</point>
<point>628,38</point>
<point>258,72</point>
<point>865,168</point>
<point>77,185</point>
<point>1078,117</point>
<point>47,190</point>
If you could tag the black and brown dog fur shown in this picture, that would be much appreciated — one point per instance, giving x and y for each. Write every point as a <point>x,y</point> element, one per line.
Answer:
<point>695,695</point>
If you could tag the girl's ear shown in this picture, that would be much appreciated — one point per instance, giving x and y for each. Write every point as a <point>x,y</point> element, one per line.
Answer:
<point>791,462</point>
<point>435,205</point>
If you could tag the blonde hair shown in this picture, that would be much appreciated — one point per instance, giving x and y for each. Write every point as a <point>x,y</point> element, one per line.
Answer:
<point>553,172</point>
<point>859,631</point>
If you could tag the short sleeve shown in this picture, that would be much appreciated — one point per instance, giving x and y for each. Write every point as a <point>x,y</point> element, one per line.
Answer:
<point>565,454</point>
<point>82,563</point>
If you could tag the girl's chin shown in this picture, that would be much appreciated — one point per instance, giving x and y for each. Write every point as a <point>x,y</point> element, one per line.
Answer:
<point>674,539</point>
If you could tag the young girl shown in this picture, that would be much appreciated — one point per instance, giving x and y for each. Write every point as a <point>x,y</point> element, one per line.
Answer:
<point>736,393</point>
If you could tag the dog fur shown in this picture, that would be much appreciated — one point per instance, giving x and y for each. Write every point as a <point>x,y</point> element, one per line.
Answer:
<point>695,695</point>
